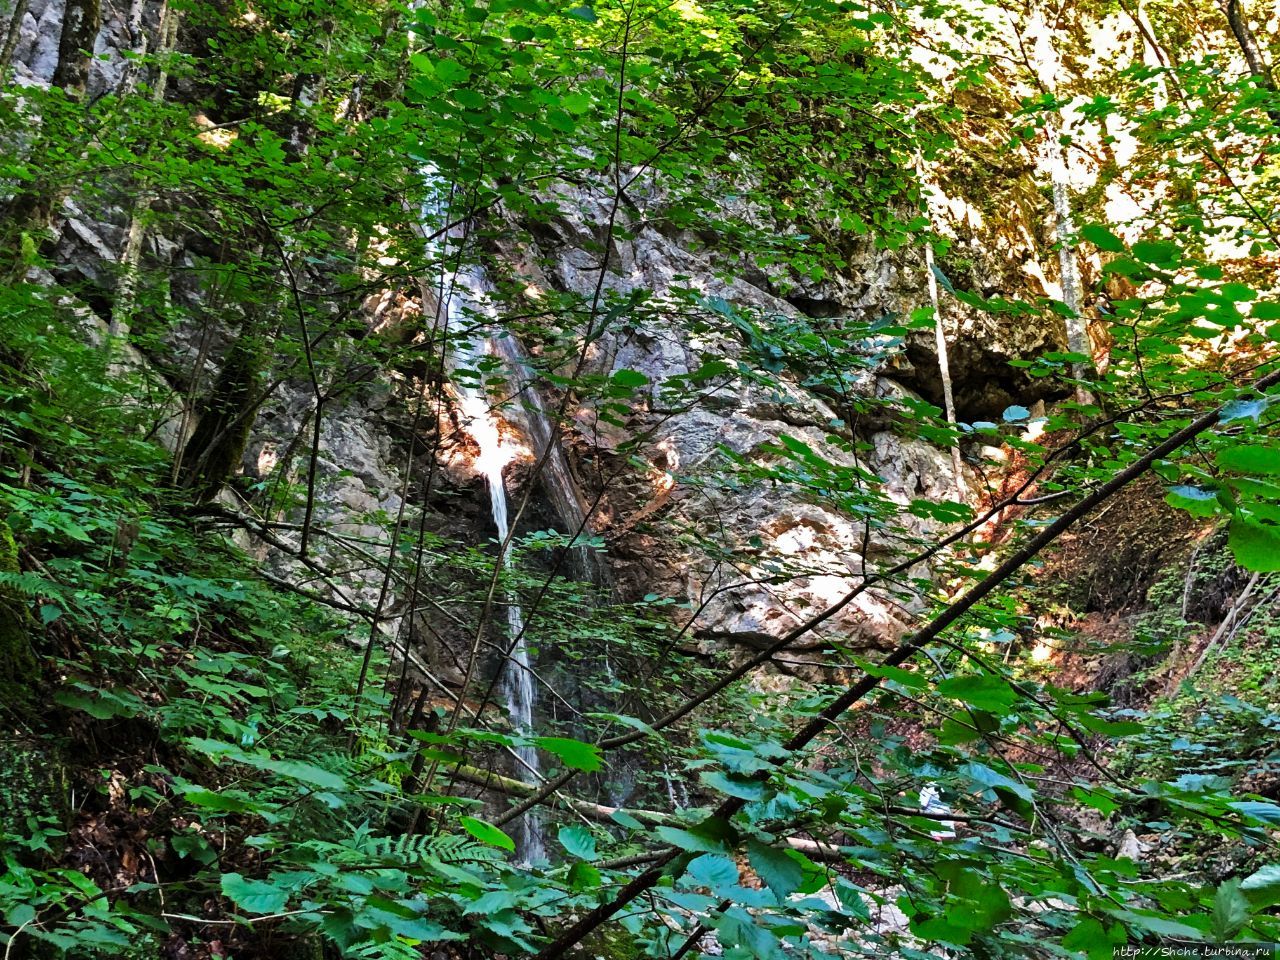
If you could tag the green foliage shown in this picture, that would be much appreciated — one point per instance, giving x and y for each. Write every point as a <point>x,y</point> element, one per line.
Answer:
<point>231,716</point>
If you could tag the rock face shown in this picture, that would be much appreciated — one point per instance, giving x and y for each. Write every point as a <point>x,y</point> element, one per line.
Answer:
<point>668,529</point>
<point>672,524</point>
<point>36,54</point>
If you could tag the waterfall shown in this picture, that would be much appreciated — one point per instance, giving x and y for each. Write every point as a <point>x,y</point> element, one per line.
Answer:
<point>467,286</point>
<point>556,478</point>
<point>516,678</point>
<point>516,681</point>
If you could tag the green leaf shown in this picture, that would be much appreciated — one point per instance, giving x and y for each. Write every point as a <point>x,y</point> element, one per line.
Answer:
<point>583,13</point>
<point>743,788</point>
<point>625,819</point>
<point>1230,911</point>
<point>1258,810</point>
<point>583,876</point>
<point>104,706</point>
<point>578,842</point>
<point>220,802</point>
<point>1102,238</point>
<point>941,277</point>
<point>1089,937</point>
<point>471,99</point>
<point>307,773</point>
<point>781,874</point>
<point>1255,546</point>
<point>1197,501</point>
<point>1110,728</point>
<point>576,103</point>
<point>692,840</point>
<point>629,378</point>
<point>1159,252</point>
<point>908,678</point>
<point>254,896</point>
<point>988,778</point>
<point>1252,459</point>
<point>743,937</point>
<point>19,914</point>
<point>984,691</point>
<point>574,753</point>
<point>712,870</point>
<point>1263,887</point>
<point>487,833</point>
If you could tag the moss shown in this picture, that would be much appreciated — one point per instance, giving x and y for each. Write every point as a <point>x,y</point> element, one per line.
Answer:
<point>35,794</point>
<point>19,669</point>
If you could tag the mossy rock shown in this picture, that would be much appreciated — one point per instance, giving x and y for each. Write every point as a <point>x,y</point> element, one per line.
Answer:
<point>35,789</point>
<point>19,669</point>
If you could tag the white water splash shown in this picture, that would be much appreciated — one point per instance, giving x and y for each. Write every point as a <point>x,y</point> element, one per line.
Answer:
<point>459,289</point>
<point>516,679</point>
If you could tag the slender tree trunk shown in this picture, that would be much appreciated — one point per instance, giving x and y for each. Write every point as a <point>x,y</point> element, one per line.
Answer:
<point>944,369</point>
<point>940,343</point>
<point>1068,266</point>
<point>127,285</point>
<point>1238,19</point>
<point>14,34</point>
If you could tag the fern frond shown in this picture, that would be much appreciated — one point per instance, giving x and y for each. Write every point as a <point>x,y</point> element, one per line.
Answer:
<point>29,585</point>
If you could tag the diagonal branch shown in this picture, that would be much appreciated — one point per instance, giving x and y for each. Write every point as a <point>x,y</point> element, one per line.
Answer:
<point>857,691</point>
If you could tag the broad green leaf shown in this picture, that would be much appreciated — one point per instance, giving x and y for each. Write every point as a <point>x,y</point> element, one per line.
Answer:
<point>716,871</point>
<point>307,773</point>
<point>219,802</point>
<point>1090,938</point>
<point>19,914</point>
<point>625,819</point>
<point>1255,546</point>
<point>781,874</point>
<point>487,833</point>
<point>491,901</point>
<point>1102,238</point>
<point>908,678</point>
<point>254,896</point>
<point>988,778</point>
<point>693,840</point>
<point>1197,501</point>
<point>1230,911</point>
<point>744,788</point>
<point>583,876</point>
<point>1251,459</point>
<point>1263,886</point>
<point>574,753</point>
<point>740,934</point>
<point>1158,252</point>
<point>1258,810</point>
<point>984,691</point>
<point>578,842</point>
<point>629,378</point>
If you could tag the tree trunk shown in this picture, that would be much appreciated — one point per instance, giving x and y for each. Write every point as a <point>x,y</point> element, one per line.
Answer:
<point>80,25</point>
<point>218,442</point>
<point>944,369</point>
<point>14,34</point>
<point>1238,18</point>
